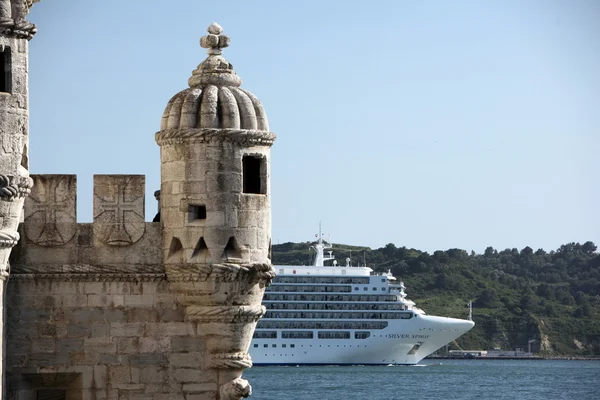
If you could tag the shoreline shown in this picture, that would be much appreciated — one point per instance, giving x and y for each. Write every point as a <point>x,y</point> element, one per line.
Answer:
<point>563,358</point>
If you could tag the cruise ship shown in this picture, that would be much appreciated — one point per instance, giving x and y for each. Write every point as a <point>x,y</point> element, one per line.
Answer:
<point>345,315</point>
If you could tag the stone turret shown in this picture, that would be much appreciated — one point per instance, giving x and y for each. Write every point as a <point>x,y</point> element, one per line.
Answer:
<point>215,208</point>
<point>15,184</point>
<point>215,156</point>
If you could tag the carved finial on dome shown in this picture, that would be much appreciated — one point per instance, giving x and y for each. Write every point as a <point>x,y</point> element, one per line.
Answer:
<point>215,70</point>
<point>214,41</point>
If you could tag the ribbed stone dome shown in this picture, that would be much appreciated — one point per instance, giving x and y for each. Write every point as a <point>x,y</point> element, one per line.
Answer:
<point>214,99</point>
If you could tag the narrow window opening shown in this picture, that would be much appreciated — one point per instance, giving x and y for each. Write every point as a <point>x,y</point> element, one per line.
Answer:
<point>51,394</point>
<point>196,212</point>
<point>5,70</point>
<point>254,175</point>
<point>25,158</point>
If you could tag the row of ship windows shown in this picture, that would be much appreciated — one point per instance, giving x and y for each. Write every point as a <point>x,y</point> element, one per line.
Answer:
<point>323,279</point>
<point>339,289</point>
<point>293,346</point>
<point>339,315</point>
<point>335,306</point>
<point>262,324</point>
<point>300,288</point>
<point>310,335</point>
<point>329,297</point>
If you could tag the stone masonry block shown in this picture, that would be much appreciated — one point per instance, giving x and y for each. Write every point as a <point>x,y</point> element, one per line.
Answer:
<point>146,314</point>
<point>126,329</point>
<point>170,329</point>
<point>119,209</point>
<point>126,345</point>
<point>100,345</point>
<point>157,359</point>
<point>43,346</point>
<point>186,375</point>
<point>184,344</point>
<point>139,300</point>
<point>50,210</point>
<point>154,345</point>
<point>186,360</point>
<point>153,374</point>
<point>100,376</point>
<point>199,388</point>
<point>117,374</point>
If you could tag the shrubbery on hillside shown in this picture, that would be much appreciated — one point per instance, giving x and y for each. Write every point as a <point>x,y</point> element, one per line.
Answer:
<point>552,297</point>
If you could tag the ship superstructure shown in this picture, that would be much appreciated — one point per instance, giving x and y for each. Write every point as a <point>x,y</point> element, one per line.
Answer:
<point>334,314</point>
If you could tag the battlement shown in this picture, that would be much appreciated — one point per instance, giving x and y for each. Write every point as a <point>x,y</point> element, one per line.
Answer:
<point>119,234</point>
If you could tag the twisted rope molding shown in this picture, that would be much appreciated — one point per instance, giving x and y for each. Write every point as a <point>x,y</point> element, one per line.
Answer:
<point>8,238</point>
<point>239,136</point>
<point>12,187</point>
<point>230,361</point>
<point>262,273</point>
<point>225,313</point>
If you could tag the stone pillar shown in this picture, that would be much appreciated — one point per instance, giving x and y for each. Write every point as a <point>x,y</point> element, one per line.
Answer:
<point>215,213</point>
<point>15,183</point>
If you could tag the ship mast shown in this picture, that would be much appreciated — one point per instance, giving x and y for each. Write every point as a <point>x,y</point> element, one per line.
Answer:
<point>321,245</point>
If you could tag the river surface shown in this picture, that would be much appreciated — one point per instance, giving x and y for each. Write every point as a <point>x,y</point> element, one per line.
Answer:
<point>450,379</point>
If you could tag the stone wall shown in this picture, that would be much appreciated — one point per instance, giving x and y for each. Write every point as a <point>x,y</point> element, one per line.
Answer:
<point>117,340</point>
<point>92,313</point>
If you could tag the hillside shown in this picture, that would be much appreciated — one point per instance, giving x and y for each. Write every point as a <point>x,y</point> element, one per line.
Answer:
<point>552,297</point>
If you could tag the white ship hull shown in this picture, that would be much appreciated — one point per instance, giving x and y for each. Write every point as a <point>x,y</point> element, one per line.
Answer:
<point>391,345</point>
<point>324,315</point>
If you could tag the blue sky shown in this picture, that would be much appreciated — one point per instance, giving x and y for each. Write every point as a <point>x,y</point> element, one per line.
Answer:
<point>432,125</point>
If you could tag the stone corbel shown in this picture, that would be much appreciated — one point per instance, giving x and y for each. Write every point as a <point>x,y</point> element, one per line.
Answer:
<point>13,18</point>
<point>234,390</point>
<point>13,187</point>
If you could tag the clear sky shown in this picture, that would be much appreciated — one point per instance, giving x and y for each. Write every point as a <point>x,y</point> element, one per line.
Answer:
<point>427,124</point>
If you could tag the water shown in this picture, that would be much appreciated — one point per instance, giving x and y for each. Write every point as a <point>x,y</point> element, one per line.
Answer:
<point>453,379</point>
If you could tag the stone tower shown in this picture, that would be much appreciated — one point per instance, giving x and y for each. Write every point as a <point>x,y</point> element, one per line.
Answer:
<point>15,183</point>
<point>215,208</point>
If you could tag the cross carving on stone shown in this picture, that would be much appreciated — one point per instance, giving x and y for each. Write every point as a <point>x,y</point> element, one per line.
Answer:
<point>50,218</point>
<point>119,219</point>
